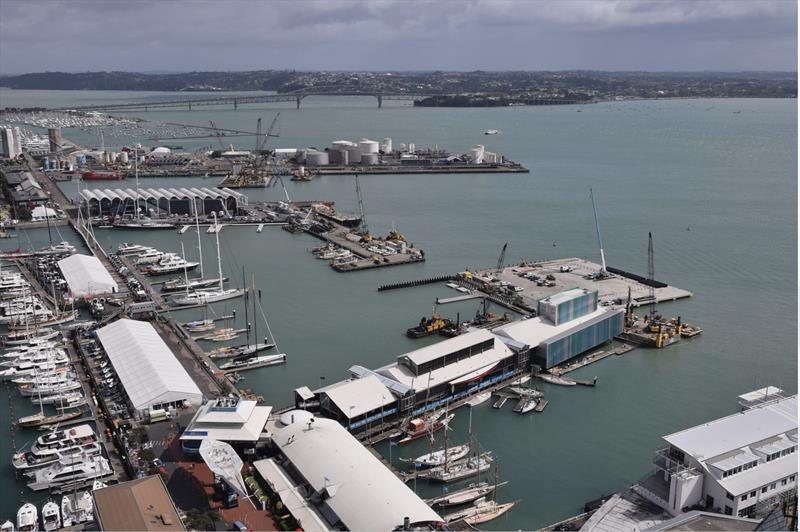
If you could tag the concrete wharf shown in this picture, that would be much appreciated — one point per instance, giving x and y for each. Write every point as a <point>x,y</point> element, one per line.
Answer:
<point>367,260</point>
<point>591,358</point>
<point>456,299</point>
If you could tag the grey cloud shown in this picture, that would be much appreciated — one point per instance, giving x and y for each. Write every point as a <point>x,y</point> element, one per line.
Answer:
<point>396,34</point>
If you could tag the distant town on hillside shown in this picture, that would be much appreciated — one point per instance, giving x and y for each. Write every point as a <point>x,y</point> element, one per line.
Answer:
<point>438,88</point>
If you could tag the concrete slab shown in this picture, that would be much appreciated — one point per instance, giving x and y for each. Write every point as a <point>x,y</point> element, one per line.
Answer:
<point>610,289</point>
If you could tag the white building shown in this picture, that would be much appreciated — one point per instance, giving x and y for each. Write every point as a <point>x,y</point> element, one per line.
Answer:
<point>228,419</point>
<point>147,369</point>
<point>10,142</point>
<point>329,481</point>
<point>86,276</point>
<point>736,465</point>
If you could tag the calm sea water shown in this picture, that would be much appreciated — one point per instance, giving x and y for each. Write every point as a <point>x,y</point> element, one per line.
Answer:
<point>714,180</point>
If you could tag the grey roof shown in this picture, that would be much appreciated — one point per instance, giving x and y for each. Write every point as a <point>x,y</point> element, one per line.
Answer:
<point>398,388</point>
<point>361,492</point>
<point>146,366</point>
<point>733,432</point>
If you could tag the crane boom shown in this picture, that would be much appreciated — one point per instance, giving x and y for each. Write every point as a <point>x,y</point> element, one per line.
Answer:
<point>651,274</point>
<point>599,238</point>
<point>363,228</point>
<point>502,258</point>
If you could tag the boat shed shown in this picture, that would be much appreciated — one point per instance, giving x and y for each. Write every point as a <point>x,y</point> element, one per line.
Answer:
<point>147,369</point>
<point>334,482</point>
<point>142,504</point>
<point>164,201</point>
<point>353,399</point>
<point>86,276</point>
<point>549,345</point>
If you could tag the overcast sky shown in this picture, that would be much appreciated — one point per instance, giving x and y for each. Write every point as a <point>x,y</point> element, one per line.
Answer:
<point>182,35</point>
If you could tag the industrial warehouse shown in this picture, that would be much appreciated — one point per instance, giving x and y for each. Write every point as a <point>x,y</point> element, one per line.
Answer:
<point>164,201</point>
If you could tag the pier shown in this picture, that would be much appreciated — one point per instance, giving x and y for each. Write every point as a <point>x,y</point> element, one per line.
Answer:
<point>416,282</point>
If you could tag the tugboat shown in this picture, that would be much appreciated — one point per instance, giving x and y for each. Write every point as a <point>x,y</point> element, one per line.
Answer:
<point>430,326</point>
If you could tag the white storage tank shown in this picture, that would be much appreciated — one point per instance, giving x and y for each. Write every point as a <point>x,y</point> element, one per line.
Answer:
<point>300,156</point>
<point>316,158</point>
<point>368,159</point>
<point>342,144</point>
<point>123,157</point>
<point>354,155</point>
<point>411,147</point>
<point>386,145</point>
<point>344,157</point>
<point>368,146</point>
<point>477,154</point>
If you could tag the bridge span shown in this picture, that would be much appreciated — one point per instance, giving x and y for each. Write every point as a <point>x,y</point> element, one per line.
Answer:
<point>237,100</point>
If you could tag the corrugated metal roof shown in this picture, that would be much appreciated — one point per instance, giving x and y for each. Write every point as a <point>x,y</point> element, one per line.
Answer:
<point>145,364</point>
<point>359,396</point>
<point>439,349</point>
<point>729,433</point>
<point>360,490</point>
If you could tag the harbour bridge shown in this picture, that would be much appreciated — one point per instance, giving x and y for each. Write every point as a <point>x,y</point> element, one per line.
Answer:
<point>237,100</point>
<point>294,96</point>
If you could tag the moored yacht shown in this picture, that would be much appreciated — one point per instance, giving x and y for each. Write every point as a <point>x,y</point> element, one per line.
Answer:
<point>60,474</point>
<point>28,518</point>
<point>51,516</point>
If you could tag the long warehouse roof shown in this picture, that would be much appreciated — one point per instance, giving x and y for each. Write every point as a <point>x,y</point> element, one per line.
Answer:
<point>161,193</point>
<point>353,483</point>
<point>146,366</point>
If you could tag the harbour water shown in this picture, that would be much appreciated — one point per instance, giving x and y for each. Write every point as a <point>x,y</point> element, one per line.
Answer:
<point>716,187</point>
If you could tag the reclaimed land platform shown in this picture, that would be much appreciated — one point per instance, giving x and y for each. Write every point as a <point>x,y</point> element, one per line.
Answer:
<point>612,289</point>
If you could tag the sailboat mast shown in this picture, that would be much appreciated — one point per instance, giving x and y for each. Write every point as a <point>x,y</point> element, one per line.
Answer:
<point>255,318</point>
<point>246,318</point>
<point>219,259</point>
<point>136,173</point>
<point>185,271</point>
<point>199,243</point>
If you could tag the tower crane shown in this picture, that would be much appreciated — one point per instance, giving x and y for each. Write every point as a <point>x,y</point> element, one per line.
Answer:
<point>651,274</point>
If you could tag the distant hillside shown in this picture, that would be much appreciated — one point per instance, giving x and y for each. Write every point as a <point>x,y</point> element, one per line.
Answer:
<point>567,85</point>
<point>134,81</point>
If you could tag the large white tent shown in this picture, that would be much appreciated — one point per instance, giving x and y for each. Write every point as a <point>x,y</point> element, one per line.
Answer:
<point>146,366</point>
<point>86,275</point>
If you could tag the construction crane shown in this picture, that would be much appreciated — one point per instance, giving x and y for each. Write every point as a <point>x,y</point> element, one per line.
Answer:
<point>651,274</point>
<point>502,258</point>
<point>261,144</point>
<point>363,229</point>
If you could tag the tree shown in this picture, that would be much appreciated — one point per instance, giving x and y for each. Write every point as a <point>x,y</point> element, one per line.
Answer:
<point>24,213</point>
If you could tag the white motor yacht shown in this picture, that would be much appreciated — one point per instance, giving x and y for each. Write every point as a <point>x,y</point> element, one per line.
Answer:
<point>51,516</point>
<point>60,474</point>
<point>28,518</point>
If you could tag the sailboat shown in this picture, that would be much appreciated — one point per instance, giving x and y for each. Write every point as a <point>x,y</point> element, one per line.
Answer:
<point>249,357</point>
<point>204,297</point>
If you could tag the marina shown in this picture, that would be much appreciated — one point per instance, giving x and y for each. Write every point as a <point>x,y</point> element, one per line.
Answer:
<point>377,353</point>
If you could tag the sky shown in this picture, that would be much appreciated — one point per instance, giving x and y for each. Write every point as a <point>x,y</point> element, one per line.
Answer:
<point>185,35</point>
